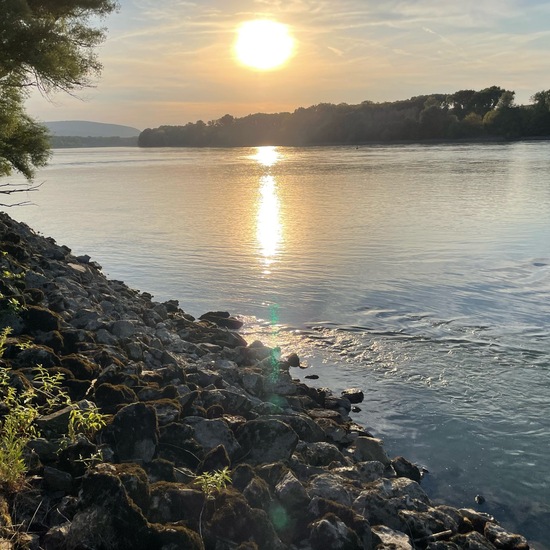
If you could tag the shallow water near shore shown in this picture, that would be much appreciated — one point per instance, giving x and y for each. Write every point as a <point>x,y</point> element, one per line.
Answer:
<point>419,273</point>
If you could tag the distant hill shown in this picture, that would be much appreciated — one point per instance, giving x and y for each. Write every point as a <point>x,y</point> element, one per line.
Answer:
<point>83,128</point>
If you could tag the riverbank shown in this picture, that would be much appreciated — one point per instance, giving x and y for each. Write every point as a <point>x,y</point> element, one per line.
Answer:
<point>183,397</point>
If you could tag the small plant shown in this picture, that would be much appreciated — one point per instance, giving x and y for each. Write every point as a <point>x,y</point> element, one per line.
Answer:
<point>22,407</point>
<point>211,483</point>
<point>49,386</point>
<point>4,337</point>
<point>92,460</point>
<point>16,428</point>
<point>86,422</point>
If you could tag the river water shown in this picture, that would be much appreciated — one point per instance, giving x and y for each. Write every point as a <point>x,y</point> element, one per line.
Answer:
<point>419,273</point>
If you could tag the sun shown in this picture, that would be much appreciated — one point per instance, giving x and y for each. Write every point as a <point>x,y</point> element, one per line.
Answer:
<point>263,44</point>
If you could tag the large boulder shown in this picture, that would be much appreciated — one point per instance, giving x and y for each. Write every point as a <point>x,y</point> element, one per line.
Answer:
<point>266,440</point>
<point>135,433</point>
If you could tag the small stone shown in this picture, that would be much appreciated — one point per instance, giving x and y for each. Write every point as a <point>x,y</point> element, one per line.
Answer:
<point>354,395</point>
<point>312,377</point>
<point>480,499</point>
<point>293,360</point>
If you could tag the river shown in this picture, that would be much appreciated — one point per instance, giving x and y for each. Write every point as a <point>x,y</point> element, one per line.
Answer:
<point>419,273</point>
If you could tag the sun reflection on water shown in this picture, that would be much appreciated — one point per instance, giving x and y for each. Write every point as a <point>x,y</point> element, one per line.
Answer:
<point>269,227</point>
<point>267,156</point>
<point>269,231</point>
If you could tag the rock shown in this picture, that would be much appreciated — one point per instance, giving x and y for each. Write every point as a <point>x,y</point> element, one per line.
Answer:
<point>211,433</point>
<point>386,538</point>
<point>216,459</point>
<point>404,468</point>
<point>135,482</point>
<point>123,329</point>
<point>331,532</point>
<point>266,440</point>
<point>56,480</point>
<point>257,494</point>
<point>477,519</point>
<point>172,537</point>
<point>306,428</point>
<point>370,448</point>
<point>291,493</point>
<point>472,541</point>
<point>38,318</point>
<point>104,503</point>
<point>503,539</point>
<point>331,487</point>
<point>293,360</point>
<point>382,500</point>
<point>55,538</point>
<point>172,502</point>
<point>235,521</point>
<point>135,433</point>
<point>110,397</point>
<point>353,395</point>
<point>321,453</point>
<point>222,319</point>
<point>363,472</point>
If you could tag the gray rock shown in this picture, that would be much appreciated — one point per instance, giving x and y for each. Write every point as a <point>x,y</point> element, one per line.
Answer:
<point>503,539</point>
<point>382,500</point>
<point>172,502</point>
<point>320,453</point>
<point>386,539</point>
<point>57,480</point>
<point>353,395</point>
<point>266,440</point>
<point>331,532</point>
<point>291,492</point>
<point>211,433</point>
<point>123,329</point>
<point>332,487</point>
<point>306,428</point>
<point>231,401</point>
<point>473,541</point>
<point>364,472</point>
<point>404,468</point>
<point>56,537</point>
<point>135,430</point>
<point>370,448</point>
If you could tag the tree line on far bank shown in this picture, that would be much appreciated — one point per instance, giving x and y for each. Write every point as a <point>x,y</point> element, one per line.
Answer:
<point>465,114</point>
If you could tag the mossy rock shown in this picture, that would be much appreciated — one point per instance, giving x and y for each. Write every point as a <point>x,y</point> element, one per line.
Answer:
<point>234,520</point>
<point>41,319</point>
<point>80,367</point>
<point>110,398</point>
<point>174,536</point>
<point>136,482</point>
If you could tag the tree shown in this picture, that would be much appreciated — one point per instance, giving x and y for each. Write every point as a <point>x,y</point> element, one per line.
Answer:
<point>47,45</point>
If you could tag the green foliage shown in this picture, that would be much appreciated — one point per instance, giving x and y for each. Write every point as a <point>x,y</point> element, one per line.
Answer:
<point>4,333</point>
<point>49,45</point>
<point>49,386</point>
<point>460,115</point>
<point>85,421</point>
<point>211,483</point>
<point>17,426</point>
<point>22,408</point>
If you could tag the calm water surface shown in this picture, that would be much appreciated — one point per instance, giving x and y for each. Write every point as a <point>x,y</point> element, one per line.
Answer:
<point>418,273</point>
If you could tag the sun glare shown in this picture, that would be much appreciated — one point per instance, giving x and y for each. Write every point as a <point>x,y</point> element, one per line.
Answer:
<point>263,44</point>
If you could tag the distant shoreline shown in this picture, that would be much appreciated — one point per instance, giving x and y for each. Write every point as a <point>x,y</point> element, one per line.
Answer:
<point>74,142</point>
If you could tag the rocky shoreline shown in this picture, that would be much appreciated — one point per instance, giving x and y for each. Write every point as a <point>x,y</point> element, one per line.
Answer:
<point>180,398</point>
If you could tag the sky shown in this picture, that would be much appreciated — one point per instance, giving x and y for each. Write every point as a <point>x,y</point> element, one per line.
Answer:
<point>173,62</point>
